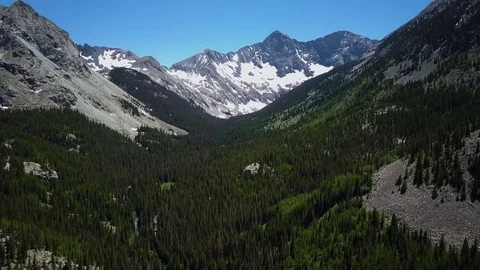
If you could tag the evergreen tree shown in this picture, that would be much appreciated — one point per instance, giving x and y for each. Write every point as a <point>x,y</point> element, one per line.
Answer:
<point>457,174</point>
<point>464,254</point>
<point>403,189</point>
<point>418,178</point>
<point>434,193</point>
<point>399,181</point>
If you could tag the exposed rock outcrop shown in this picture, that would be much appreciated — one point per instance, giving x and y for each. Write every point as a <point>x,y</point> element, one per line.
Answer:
<point>36,170</point>
<point>253,168</point>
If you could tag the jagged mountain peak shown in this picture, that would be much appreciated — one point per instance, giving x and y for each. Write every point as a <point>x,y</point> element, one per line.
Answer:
<point>21,12</point>
<point>22,24</point>
<point>21,4</point>
<point>279,42</point>
<point>342,36</point>
<point>212,54</point>
<point>207,51</point>
<point>202,61</point>
<point>343,33</point>
<point>277,34</point>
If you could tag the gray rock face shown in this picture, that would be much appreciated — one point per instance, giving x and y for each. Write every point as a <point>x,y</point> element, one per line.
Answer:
<point>64,99</point>
<point>40,67</point>
<point>22,21</point>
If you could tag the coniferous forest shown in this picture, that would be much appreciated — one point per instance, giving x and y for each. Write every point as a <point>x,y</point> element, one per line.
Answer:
<point>101,199</point>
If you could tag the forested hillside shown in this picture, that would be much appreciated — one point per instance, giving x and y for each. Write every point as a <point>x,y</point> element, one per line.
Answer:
<point>283,188</point>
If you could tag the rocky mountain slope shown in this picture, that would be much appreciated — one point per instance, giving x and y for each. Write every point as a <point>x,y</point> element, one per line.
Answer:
<point>164,103</point>
<point>40,66</point>
<point>244,81</point>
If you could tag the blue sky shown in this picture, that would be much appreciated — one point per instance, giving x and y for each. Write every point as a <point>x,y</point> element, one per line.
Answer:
<point>174,30</point>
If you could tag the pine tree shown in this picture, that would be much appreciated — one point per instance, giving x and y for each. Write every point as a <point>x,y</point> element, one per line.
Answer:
<point>436,174</point>
<point>441,248</point>
<point>457,176</point>
<point>52,260</point>
<point>2,255</point>
<point>474,251</point>
<point>464,254</point>
<point>426,162</point>
<point>418,178</point>
<point>399,181</point>
<point>434,193</point>
<point>427,178</point>
<point>403,189</point>
<point>11,250</point>
<point>412,158</point>
<point>463,194</point>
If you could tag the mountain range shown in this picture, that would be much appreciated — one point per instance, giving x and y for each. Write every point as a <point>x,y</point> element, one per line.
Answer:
<point>45,68</point>
<point>239,82</point>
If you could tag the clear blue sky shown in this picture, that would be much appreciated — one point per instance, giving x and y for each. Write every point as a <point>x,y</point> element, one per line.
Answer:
<point>174,30</point>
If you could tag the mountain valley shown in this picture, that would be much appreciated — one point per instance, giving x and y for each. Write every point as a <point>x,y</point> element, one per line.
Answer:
<point>357,154</point>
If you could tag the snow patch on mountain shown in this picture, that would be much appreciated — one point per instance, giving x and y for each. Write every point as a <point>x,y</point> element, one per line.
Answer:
<point>190,79</point>
<point>249,107</point>
<point>86,57</point>
<point>104,59</point>
<point>112,59</point>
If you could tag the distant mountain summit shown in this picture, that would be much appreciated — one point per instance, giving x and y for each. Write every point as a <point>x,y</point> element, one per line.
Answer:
<point>254,76</point>
<point>239,82</point>
<point>340,47</point>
